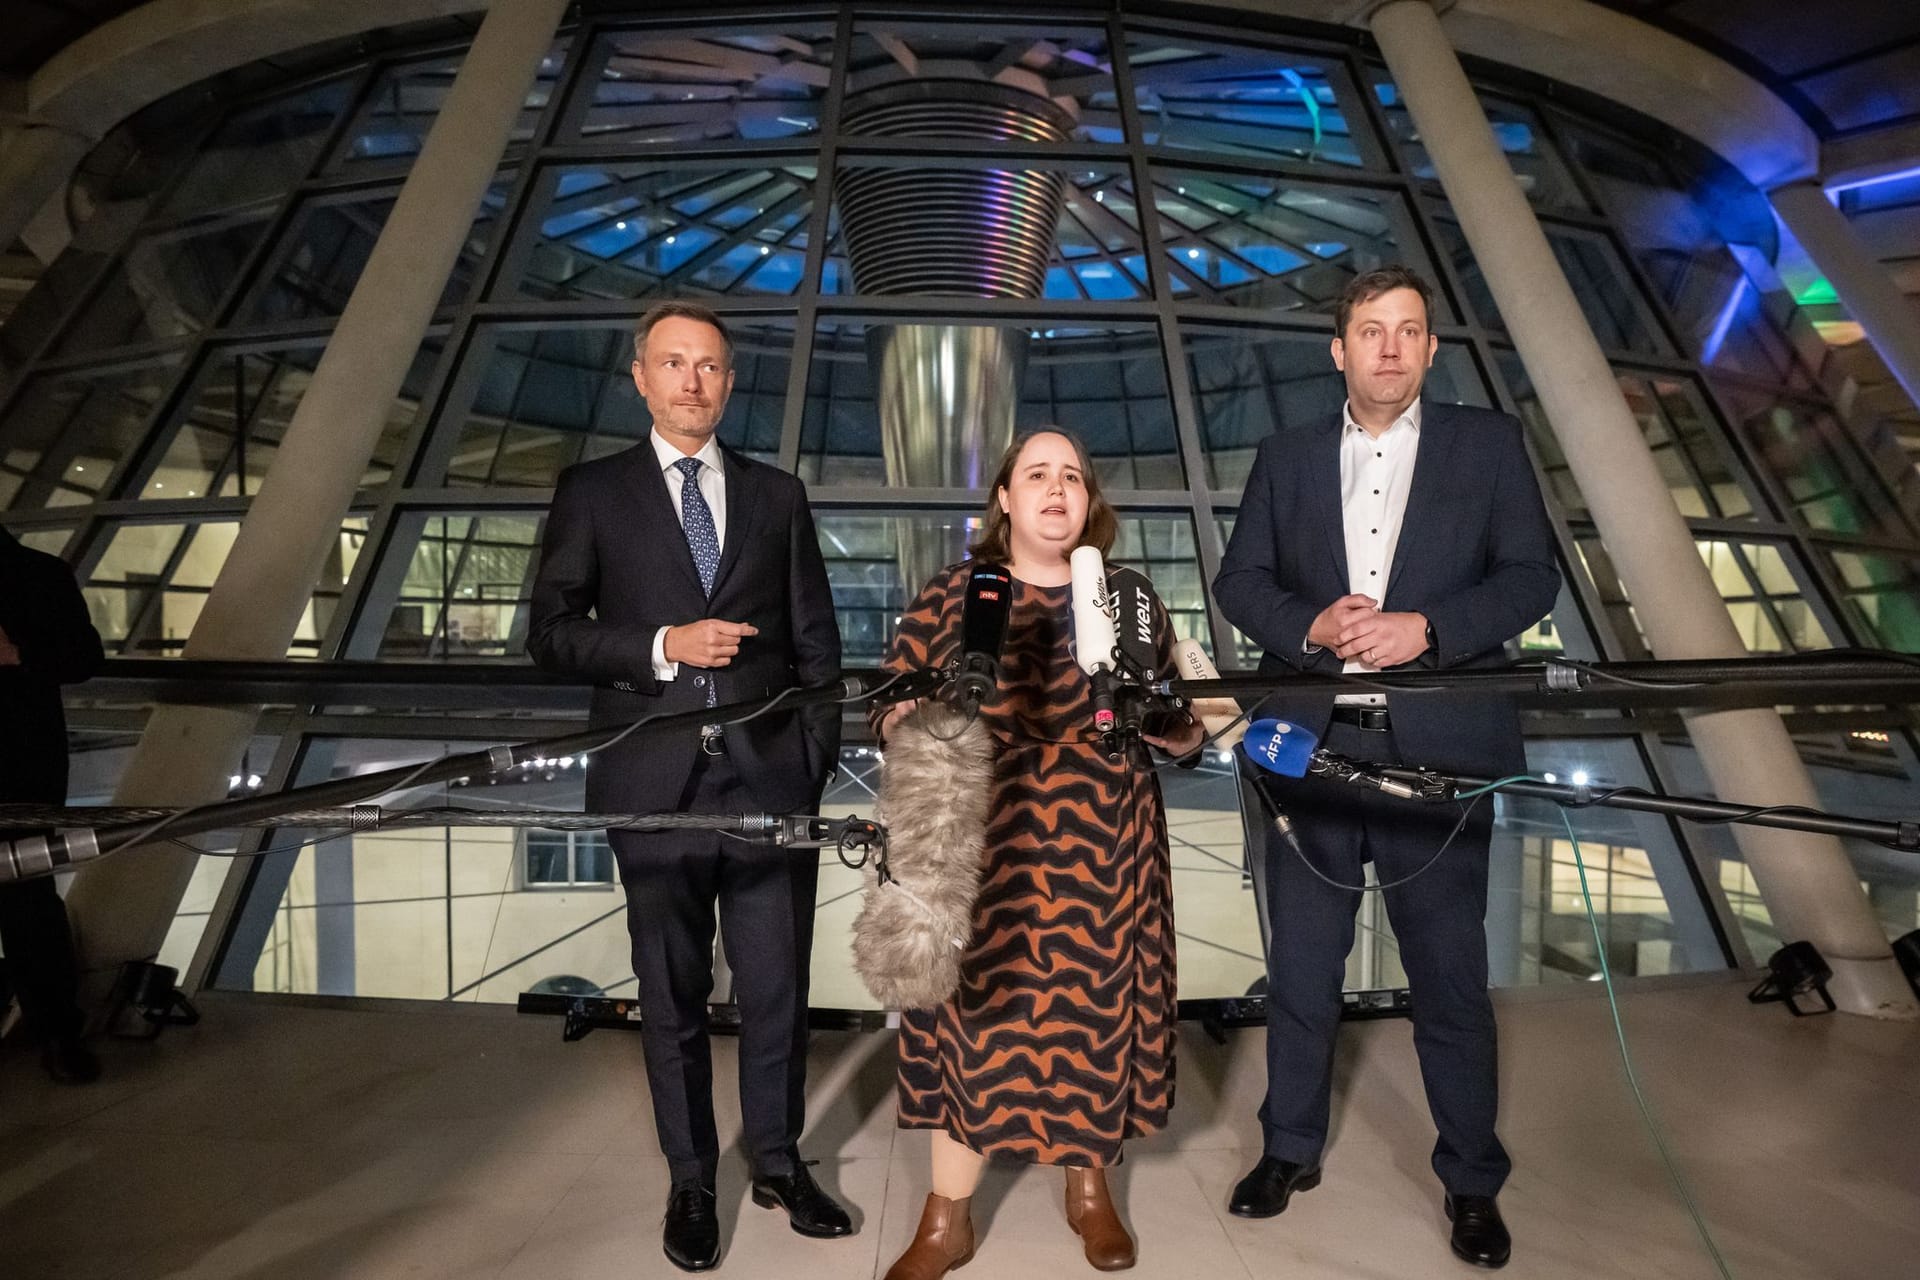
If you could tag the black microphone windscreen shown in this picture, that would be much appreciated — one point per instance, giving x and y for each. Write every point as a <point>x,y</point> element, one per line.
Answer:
<point>983,618</point>
<point>1136,617</point>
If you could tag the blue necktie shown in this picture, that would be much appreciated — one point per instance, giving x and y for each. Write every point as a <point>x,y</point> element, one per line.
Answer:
<point>703,540</point>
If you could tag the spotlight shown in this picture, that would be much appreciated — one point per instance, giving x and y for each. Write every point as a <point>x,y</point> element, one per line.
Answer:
<point>1906,949</point>
<point>1796,969</point>
<point>1580,778</point>
<point>146,1001</point>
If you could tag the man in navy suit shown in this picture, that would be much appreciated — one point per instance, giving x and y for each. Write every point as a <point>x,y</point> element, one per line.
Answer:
<point>679,575</point>
<point>1401,534</point>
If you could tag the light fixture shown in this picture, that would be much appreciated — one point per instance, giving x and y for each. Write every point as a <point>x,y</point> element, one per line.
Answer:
<point>1581,778</point>
<point>1796,969</point>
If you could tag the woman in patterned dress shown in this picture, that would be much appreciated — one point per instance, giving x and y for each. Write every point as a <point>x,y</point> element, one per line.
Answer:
<point>1058,1045</point>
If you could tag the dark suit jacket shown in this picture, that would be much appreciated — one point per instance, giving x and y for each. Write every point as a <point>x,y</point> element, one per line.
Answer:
<point>46,618</point>
<point>614,568</point>
<point>1475,556</point>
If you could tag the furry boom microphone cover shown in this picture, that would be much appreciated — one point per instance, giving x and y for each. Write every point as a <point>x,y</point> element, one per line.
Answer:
<point>934,787</point>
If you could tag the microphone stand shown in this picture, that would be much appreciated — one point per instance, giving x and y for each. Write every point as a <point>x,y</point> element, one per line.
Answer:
<point>1436,786</point>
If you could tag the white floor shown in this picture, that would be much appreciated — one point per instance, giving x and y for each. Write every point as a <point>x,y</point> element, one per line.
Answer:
<point>278,1141</point>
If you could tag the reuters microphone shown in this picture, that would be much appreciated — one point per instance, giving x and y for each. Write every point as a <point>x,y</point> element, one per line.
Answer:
<point>1093,634</point>
<point>1221,716</point>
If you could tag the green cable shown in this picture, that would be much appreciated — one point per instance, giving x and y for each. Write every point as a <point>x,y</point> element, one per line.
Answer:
<point>1626,1058</point>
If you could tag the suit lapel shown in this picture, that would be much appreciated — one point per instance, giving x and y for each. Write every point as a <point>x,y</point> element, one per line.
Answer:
<point>656,509</point>
<point>742,499</point>
<point>1420,527</point>
<point>1323,467</point>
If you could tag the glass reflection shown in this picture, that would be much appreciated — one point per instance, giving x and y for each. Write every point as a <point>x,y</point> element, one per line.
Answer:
<point>761,84</point>
<point>1246,101</point>
<point>168,284</point>
<point>262,150</point>
<point>468,584</point>
<point>68,435</point>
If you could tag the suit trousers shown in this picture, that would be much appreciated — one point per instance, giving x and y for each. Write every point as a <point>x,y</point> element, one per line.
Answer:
<point>1439,921</point>
<point>765,895</point>
<point>40,961</point>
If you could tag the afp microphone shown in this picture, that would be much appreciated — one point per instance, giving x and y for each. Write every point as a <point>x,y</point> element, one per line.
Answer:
<point>983,630</point>
<point>1093,634</point>
<point>1281,747</point>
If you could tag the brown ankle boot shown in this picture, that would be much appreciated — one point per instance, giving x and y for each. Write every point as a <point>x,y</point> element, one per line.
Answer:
<point>1090,1213</point>
<point>943,1243</point>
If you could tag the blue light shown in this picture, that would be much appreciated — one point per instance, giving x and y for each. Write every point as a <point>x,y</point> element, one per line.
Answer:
<point>1723,323</point>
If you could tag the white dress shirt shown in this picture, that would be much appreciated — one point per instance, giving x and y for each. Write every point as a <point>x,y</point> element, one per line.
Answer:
<point>713,487</point>
<point>1376,474</point>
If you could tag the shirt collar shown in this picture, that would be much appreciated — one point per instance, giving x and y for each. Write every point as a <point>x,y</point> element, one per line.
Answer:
<point>668,454</point>
<point>1409,418</point>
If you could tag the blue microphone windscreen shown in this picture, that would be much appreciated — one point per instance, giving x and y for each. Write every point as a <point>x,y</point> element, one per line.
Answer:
<point>1279,747</point>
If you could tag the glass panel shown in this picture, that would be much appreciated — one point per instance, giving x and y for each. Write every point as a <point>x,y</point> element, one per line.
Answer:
<point>1063,72</point>
<point>1107,385</point>
<point>1677,427</point>
<point>1691,222</point>
<point>467,588</point>
<point>1761,591</point>
<point>405,101</point>
<point>1619,319</point>
<point>1256,242</point>
<point>262,150</point>
<point>1245,101</point>
<point>52,541</point>
<point>240,411</point>
<point>327,248</point>
<point>1250,383</point>
<point>865,555</point>
<point>759,84</point>
<point>68,434</point>
<point>167,285</point>
<point>1652,918</point>
<point>61,284</point>
<point>1535,161</point>
<point>151,584</point>
<point>548,398</point>
<point>1881,593</point>
<point>633,231</point>
<point>1815,460</point>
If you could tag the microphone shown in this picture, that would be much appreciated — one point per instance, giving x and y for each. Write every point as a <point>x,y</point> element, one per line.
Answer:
<point>983,631</point>
<point>1281,747</point>
<point>1093,635</point>
<point>1221,716</point>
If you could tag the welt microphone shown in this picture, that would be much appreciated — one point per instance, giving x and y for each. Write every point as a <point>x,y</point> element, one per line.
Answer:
<point>983,631</point>
<point>1093,634</point>
<point>1135,609</point>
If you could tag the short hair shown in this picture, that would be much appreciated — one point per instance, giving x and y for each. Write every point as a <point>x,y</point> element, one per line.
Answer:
<point>1369,285</point>
<point>995,542</point>
<point>686,311</point>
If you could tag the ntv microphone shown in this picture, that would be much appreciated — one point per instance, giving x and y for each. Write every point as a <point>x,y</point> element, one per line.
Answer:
<point>1093,635</point>
<point>983,631</point>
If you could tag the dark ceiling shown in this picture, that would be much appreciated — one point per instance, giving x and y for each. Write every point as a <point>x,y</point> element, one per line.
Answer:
<point>1846,66</point>
<point>31,31</point>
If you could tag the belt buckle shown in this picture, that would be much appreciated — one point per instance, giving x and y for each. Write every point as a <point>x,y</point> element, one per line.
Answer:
<point>711,740</point>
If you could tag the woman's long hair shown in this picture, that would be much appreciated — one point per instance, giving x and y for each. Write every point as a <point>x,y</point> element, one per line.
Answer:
<point>995,540</point>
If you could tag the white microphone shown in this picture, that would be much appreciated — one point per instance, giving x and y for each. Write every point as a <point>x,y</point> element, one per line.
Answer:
<point>1093,634</point>
<point>1215,713</point>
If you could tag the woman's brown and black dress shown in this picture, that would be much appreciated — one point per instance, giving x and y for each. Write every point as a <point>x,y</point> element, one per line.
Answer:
<point>1058,1045</point>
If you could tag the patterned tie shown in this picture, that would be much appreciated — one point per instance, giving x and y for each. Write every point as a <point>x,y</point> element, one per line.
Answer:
<point>696,518</point>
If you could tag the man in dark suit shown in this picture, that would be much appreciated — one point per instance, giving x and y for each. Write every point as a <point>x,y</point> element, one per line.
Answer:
<point>1400,534</point>
<point>46,640</point>
<point>676,575</point>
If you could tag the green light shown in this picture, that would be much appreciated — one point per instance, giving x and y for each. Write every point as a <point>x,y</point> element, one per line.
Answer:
<point>1818,294</point>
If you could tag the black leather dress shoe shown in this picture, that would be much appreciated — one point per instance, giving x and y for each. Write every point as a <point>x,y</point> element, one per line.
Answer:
<point>1264,1191</point>
<point>811,1211</point>
<point>1479,1236</point>
<point>692,1235</point>
<point>69,1061</point>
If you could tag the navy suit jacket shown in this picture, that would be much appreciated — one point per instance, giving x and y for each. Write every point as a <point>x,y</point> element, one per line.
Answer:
<point>615,568</point>
<point>1475,556</point>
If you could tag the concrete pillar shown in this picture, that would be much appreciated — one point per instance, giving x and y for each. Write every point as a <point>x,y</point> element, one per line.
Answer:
<point>1807,882</point>
<point>1864,286</point>
<point>121,907</point>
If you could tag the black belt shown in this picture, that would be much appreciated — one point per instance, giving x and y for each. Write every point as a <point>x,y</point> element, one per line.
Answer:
<point>1374,718</point>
